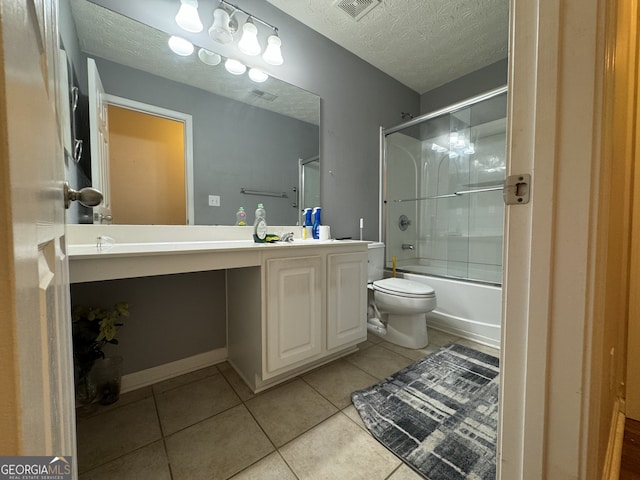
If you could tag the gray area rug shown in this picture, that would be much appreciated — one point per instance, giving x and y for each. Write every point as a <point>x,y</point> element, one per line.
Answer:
<point>438,415</point>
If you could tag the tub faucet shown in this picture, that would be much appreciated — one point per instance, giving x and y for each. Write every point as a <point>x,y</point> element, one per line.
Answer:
<point>407,246</point>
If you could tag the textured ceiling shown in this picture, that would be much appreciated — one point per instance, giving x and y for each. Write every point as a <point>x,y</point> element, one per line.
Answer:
<point>106,34</point>
<point>421,43</point>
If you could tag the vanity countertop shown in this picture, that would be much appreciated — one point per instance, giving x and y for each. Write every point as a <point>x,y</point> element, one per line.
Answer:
<point>107,252</point>
<point>104,248</point>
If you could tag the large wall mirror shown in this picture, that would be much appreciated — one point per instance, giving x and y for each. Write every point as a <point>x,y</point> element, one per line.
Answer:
<point>238,142</point>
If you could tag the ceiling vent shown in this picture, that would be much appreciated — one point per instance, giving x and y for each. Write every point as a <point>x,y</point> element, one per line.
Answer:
<point>356,9</point>
<point>270,97</point>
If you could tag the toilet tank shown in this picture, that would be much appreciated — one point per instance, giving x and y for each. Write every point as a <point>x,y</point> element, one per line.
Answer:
<point>376,261</point>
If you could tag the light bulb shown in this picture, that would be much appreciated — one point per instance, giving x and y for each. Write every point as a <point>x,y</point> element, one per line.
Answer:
<point>257,76</point>
<point>272,54</point>
<point>180,46</point>
<point>235,67</point>
<point>188,18</point>
<point>210,58</point>
<point>453,138</point>
<point>220,31</point>
<point>249,42</point>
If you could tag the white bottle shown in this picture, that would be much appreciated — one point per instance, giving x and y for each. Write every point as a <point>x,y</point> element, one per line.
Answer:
<point>260,225</point>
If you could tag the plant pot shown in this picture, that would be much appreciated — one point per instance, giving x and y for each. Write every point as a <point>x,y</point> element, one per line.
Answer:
<point>107,375</point>
<point>86,390</point>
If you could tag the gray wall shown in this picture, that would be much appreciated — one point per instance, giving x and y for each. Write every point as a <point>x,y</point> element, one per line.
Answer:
<point>234,145</point>
<point>475,83</point>
<point>172,316</point>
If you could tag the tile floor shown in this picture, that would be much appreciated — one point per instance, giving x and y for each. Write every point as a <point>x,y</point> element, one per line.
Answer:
<point>208,425</point>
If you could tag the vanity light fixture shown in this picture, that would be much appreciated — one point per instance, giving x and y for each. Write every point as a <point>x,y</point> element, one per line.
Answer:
<point>180,46</point>
<point>225,24</point>
<point>188,18</point>
<point>220,31</point>
<point>272,54</point>
<point>234,66</point>
<point>248,44</point>
<point>209,57</point>
<point>257,76</point>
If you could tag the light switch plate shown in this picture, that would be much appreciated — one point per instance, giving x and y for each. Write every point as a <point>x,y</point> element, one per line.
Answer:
<point>214,200</point>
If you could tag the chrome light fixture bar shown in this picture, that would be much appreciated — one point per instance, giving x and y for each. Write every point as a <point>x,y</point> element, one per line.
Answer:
<point>220,32</point>
<point>235,9</point>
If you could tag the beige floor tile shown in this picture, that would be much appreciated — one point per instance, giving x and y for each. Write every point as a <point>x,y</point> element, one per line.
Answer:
<point>366,344</point>
<point>105,437</point>
<point>372,338</point>
<point>338,380</point>
<point>413,354</point>
<point>379,362</point>
<point>436,337</point>
<point>148,462</point>
<point>218,447</point>
<point>238,385</point>
<point>481,348</point>
<point>183,406</point>
<point>125,399</point>
<point>338,449</point>
<point>289,410</point>
<point>353,414</point>
<point>185,379</point>
<point>272,467</point>
<point>405,473</point>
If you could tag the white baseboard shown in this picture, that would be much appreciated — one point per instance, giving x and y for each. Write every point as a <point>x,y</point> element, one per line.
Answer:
<point>157,374</point>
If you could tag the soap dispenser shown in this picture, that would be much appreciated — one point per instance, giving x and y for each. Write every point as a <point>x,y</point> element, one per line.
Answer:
<point>260,225</point>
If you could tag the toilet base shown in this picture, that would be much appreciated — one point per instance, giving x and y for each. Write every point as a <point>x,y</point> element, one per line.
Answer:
<point>409,331</point>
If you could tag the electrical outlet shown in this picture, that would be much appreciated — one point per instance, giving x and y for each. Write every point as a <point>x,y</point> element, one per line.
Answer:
<point>214,200</point>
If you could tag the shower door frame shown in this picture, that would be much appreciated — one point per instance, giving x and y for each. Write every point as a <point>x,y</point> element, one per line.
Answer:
<point>383,210</point>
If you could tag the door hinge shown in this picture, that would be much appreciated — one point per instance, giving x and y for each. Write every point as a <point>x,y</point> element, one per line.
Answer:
<point>516,189</point>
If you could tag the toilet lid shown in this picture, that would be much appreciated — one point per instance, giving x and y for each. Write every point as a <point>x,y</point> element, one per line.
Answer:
<point>403,287</point>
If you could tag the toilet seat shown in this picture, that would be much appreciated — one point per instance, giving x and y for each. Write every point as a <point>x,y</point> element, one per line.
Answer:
<point>403,288</point>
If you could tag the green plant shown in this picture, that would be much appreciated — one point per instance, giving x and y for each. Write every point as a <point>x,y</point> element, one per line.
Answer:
<point>93,328</point>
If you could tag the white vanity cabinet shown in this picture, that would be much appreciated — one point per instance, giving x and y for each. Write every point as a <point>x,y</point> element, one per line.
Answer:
<point>290,307</point>
<point>313,311</point>
<point>294,294</point>
<point>346,298</point>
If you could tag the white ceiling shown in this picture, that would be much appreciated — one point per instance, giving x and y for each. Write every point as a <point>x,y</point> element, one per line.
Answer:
<point>421,43</point>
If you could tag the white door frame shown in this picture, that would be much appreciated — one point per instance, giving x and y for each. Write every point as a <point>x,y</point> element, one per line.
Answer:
<point>549,257</point>
<point>187,121</point>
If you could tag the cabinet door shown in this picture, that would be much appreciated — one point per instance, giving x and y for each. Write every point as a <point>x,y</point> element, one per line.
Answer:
<point>347,298</point>
<point>294,311</point>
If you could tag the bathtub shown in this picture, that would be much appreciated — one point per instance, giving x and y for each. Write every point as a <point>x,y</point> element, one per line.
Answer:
<point>465,309</point>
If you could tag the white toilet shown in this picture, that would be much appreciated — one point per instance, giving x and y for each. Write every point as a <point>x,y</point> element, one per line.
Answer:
<point>402,304</point>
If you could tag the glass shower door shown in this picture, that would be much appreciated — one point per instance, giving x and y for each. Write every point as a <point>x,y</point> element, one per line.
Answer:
<point>455,197</point>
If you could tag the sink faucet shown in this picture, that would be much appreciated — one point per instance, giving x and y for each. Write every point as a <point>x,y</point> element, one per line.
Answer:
<point>407,246</point>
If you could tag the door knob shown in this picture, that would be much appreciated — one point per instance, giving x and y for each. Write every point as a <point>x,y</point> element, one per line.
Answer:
<point>89,197</point>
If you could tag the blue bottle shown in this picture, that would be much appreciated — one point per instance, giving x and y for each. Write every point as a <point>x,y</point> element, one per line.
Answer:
<point>316,223</point>
<point>308,224</point>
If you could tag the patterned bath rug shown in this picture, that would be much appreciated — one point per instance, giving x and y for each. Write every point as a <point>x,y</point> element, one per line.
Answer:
<point>438,415</point>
